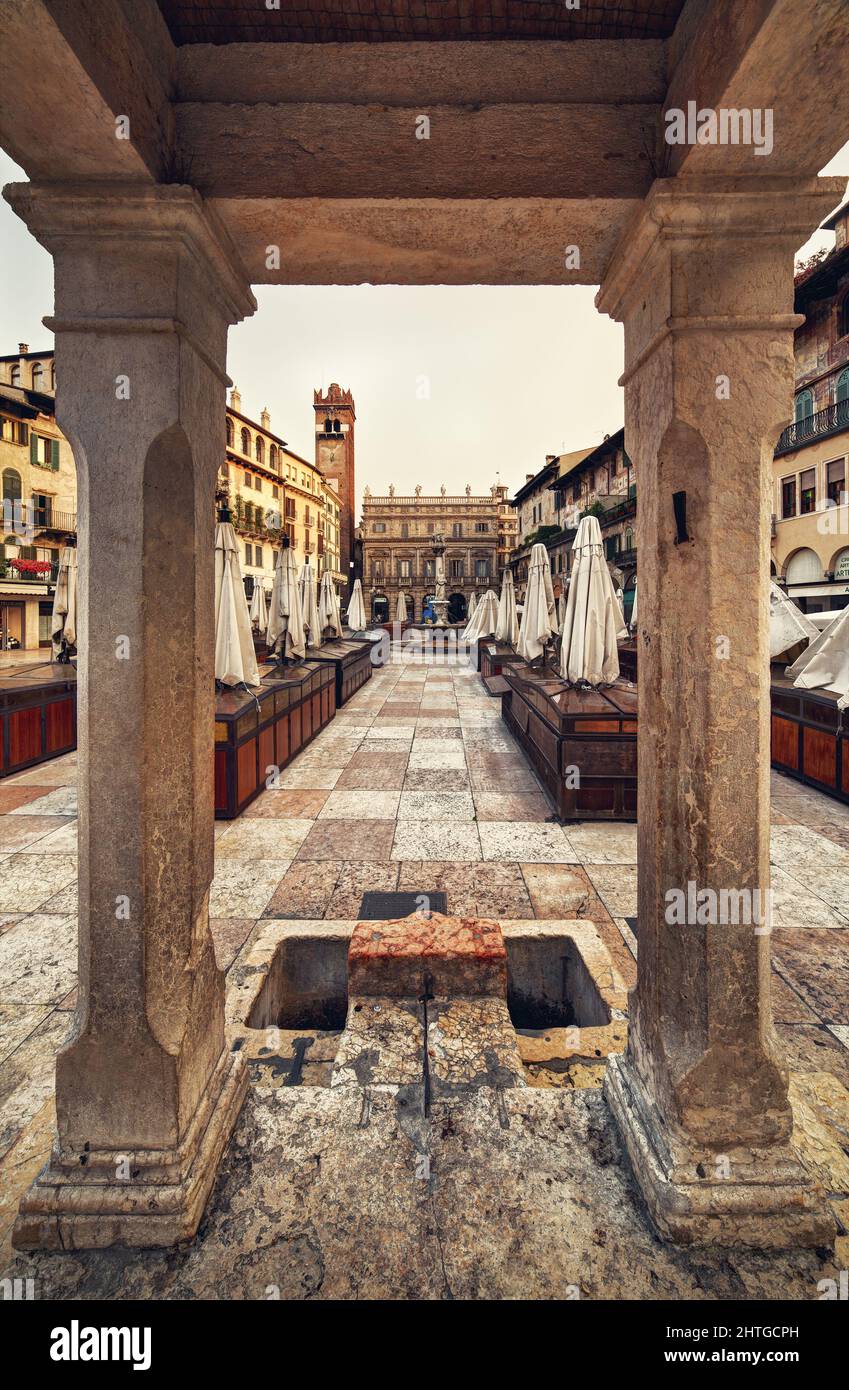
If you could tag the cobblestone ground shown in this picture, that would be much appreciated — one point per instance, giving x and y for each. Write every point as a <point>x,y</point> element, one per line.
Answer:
<point>415,785</point>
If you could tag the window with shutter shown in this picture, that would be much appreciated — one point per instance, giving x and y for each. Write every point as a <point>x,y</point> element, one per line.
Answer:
<point>54,455</point>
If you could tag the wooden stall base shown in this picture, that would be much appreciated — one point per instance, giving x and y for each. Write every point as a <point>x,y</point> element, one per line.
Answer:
<point>810,737</point>
<point>351,662</point>
<point>38,715</point>
<point>582,744</point>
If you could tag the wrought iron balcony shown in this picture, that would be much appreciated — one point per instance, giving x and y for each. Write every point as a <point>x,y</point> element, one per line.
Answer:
<point>46,519</point>
<point>832,419</point>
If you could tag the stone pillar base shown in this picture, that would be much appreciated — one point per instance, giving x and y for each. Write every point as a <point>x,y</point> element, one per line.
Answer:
<point>160,1203</point>
<point>767,1201</point>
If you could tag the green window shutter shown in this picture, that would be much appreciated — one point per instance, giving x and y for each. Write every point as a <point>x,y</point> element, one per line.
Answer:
<point>54,455</point>
<point>33,448</point>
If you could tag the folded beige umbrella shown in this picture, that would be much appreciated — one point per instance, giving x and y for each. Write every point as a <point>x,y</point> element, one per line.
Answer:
<point>539,618</point>
<point>787,626</point>
<point>485,618</point>
<point>593,616</point>
<point>328,608</point>
<point>235,659</point>
<point>401,609</point>
<point>824,665</point>
<point>507,626</point>
<point>309,604</point>
<point>259,608</point>
<point>357,609</point>
<point>63,624</point>
<point>473,603</point>
<point>285,634</point>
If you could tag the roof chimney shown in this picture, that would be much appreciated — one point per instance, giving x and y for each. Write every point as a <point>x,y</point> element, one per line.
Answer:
<point>23,349</point>
<point>529,477</point>
<point>265,418</point>
<point>236,399</point>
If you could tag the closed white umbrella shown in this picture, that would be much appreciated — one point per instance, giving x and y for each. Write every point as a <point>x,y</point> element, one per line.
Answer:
<point>235,659</point>
<point>507,624</point>
<point>539,618</point>
<point>401,608</point>
<point>357,609</point>
<point>787,626</point>
<point>485,618</point>
<point>309,604</point>
<point>593,616</point>
<point>328,607</point>
<point>259,607</point>
<point>633,622</point>
<point>285,634</point>
<point>63,624</point>
<point>824,665</point>
<point>473,603</point>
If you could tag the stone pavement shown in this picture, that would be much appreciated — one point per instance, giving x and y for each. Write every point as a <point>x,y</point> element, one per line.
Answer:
<point>416,786</point>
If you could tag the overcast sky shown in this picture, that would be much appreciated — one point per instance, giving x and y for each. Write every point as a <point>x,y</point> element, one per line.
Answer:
<point>512,374</point>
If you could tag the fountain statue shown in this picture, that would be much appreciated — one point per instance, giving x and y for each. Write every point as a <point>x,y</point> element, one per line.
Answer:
<point>440,602</point>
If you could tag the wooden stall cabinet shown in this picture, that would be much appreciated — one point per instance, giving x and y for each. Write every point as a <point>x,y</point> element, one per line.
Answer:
<point>582,744</point>
<point>809,737</point>
<point>38,715</point>
<point>351,663</point>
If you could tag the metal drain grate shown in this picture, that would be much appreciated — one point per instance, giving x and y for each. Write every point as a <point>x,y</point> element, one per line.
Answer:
<point>386,907</point>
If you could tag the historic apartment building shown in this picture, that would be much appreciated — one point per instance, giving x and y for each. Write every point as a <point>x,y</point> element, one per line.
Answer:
<point>335,421</point>
<point>397,540</point>
<point>270,487</point>
<point>810,542</point>
<point>550,503</point>
<point>39,497</point>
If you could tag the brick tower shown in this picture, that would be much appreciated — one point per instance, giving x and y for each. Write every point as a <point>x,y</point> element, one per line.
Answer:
<point>334,455</point>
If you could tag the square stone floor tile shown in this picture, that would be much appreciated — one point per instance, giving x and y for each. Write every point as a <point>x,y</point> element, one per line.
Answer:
<point>616,885</point>
<point>605,843</point>
<point>17,832</point>
<point>531,842</point>
<point>797,905</point>
<point>816,965</point>
<point>374,772</point>
<point>38,959</point>
<point>61,801</point>
<point>440,730</point>
<point>309,778</point>
<point>261,838</point>
<point>838,831</point>
<point>561,892</point>
<point>498,892</point>
<point>353,882</point>
<point>522,806</point>
<point>29,1077</point>
<point>829,883</point>
<point>229,935</point>
<point>443,840</point>
<point>787,1005</point>
<point>428,805</point>
<point>243,887</point>
<point>500,783</point>
<point>13,798</point>
<point>63,840</point>
<point>27,881</point>
<point>299,803</point>
<point>353,805</point>
<point>17,1021</point>
<point>400,709</point>
<point>305,889</point>
<point>808,1048</point>
<point>437,753</point>
<point>390,733</point>
<point>355,841</point>
<point>65,902</point>
<point>426,779</point>
<point>792,845</point>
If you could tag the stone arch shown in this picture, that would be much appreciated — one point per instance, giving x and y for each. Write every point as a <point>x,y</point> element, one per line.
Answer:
<point>803,566</point>
<point>458,608</point>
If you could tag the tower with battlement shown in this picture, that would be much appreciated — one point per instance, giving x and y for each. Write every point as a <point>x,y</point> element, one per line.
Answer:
<point>335,418</point>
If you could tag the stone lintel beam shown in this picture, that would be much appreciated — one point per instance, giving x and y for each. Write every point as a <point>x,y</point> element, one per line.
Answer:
<point>424,74</point>
<point>68,68</point>
<point>775,54</point>
<point>703,283</point>
<point>425,241</point>
<point>147,1089</point>
<point>334,149</point>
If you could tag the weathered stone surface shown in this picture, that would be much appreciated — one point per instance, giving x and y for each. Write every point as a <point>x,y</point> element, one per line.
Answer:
<point>461,956</point>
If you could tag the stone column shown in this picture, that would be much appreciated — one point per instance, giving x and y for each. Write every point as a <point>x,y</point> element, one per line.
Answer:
<point>147,1091</point>
<point>703,283</point>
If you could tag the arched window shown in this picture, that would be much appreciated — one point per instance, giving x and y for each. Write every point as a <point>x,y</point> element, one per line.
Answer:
<point>803,408</point>
<point>246,443</point>
<point>11,485</point>
<point>272,456</point>
<point>337,427</point>
<point>229,433</point>
<point>15,377</point>
<point>804,568</point>
<point>259,449</point>
<point>328,425</point>
<point>53,375</point>
<point>37,377</point>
